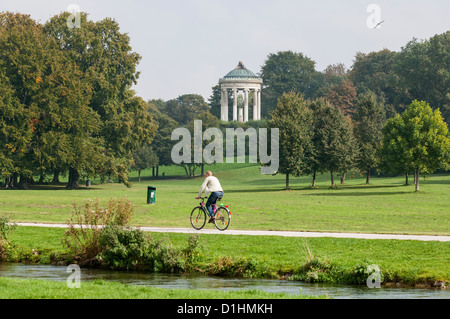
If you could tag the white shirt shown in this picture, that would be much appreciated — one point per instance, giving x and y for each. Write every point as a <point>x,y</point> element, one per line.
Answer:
<point>211,184</point>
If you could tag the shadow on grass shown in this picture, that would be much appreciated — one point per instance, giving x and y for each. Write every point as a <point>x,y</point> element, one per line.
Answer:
<point>52,187</point>
<point>360,193</point>
<point>430,181</point>
<point>341,190</point>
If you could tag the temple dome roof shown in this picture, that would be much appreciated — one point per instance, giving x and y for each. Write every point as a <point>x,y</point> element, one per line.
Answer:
<point>240,72</point>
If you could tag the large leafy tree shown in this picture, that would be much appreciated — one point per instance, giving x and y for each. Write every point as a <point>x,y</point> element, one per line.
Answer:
<point>376,72</point>
<point>424,70</point>
<point>288,71</point>
<point>21,65</point>
<point>104,56</point>
<point>369,120</point>
<point>343,96</point>
<point>214,101</point>
<point>186,108</point>
<point>333,144</point>
<point>418,139</point>
<point>162,144</point>
<point>46,97</point>
<point>293,119</point>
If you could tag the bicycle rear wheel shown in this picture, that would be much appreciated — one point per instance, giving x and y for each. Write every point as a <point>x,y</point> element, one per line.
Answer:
<point>222,218</point>
<point>198,217</point>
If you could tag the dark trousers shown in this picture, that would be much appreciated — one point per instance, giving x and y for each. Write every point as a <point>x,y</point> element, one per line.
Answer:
<point>212,199</point>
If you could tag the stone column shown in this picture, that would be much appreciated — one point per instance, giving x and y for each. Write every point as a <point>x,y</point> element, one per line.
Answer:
<point>224,107</point>
<point>225,112</point>
<point>235,115</point>
<point>241,115</point>
<point>246,105</point>
<point>255,104</point>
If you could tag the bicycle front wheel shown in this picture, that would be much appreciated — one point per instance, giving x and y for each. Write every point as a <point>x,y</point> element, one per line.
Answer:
<point>222,219</point>
<point>198,217</point>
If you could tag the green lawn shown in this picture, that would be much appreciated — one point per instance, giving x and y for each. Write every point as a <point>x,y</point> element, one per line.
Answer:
<point>12,288</point>
<point>259,202</point>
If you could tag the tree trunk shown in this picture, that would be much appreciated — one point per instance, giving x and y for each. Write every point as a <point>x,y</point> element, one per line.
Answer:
<point>406,182</point>
<point>416,173</point>
<point>368,176</point>
<point>23,182</point>
<point>185,169</point>
<point>139,175</point>
<point>8,182</point>
<point>15,180</point>
<point>314,179</point>
<point>343,179</point>
<point>55,176</point>
<point>287,181</point>
<point>203,169</point>
<point>332,178</point>
<point>74,177</point>
<point>153,171</point>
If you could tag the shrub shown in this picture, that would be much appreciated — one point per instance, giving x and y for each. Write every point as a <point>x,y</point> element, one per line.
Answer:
<point>191,252</point>
<point>163,257</point>
<point>5,230</point>
<point>359,273</point>
<point>122,248</point>
<point>82,237</point>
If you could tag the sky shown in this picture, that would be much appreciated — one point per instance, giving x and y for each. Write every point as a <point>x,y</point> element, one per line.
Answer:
<point>186,46</point>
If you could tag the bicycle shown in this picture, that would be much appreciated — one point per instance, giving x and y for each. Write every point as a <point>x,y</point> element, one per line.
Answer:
<point>221,215</point>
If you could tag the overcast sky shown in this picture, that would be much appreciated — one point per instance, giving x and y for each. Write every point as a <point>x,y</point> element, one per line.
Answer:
<point>186,46</point>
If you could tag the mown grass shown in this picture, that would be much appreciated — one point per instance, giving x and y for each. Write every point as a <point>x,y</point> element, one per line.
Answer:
<point>13,288</point>
<point>259,202</point>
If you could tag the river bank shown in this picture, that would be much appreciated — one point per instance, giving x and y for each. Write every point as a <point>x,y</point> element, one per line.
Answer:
<point>403,263</point>
<point>24,280</point>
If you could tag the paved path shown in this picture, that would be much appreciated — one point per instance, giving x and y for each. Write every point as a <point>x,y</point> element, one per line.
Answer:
<point>271,233</point>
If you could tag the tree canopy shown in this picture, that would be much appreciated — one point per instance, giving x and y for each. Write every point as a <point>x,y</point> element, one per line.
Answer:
<point>67,104</point>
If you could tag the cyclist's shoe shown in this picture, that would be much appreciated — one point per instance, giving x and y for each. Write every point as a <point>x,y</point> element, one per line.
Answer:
<point>211,220</point>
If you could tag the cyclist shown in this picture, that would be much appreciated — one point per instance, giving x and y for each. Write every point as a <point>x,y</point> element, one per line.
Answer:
<point>210,185</point>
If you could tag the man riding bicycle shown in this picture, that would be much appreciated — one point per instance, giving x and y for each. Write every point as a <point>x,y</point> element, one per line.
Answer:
<point>210,185</point>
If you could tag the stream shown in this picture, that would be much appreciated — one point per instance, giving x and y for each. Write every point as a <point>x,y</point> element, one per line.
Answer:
<point>177,281</point>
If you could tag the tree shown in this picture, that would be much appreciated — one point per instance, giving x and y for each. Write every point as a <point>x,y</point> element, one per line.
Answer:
<point>144,157</point>
<point>293,119</point>
<point>162,143</point>
<point>21,66</point>
<point>186,108</point>
<point>343,96</point>
<point>214,101</point>
<point>423,67</point>
<point>419,139</point>
<point>285,72</point>
<point>50,102</point>
<point>15,132</point>
<point>369,120</point>
<point>103,55</point>
<point>207,121</point>
<point>377,72</point>
<point>332,142</point>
